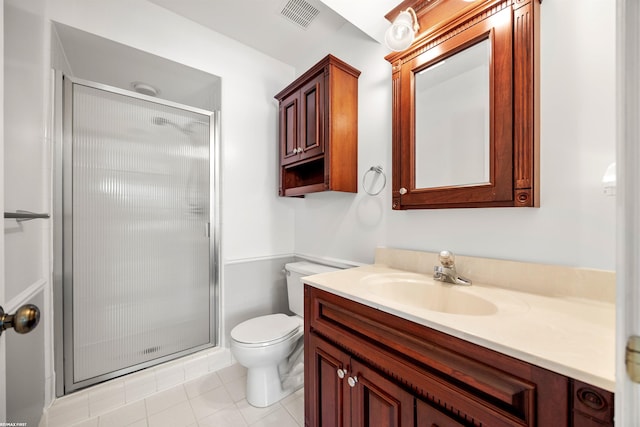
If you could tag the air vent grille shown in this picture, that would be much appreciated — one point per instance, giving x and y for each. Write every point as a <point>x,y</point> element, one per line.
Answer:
<point>299,12</point>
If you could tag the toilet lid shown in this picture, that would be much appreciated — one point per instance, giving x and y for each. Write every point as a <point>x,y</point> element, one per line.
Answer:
<point>262,329</point>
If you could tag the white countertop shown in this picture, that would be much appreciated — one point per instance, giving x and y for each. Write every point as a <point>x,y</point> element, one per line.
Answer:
<point>571,336</point>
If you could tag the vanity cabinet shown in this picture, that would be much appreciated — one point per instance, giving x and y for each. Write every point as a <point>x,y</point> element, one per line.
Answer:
<point>367,367</point>
<point>318,130</point>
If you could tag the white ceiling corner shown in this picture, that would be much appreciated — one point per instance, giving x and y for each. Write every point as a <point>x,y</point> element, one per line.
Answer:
<point>366,15</point>
<point>260,25</point>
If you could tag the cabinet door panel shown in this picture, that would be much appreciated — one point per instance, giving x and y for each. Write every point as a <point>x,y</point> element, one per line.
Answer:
<point>377,402</point>
<point>289,129</point>
<point>329,397</point>
<point>312,118</point>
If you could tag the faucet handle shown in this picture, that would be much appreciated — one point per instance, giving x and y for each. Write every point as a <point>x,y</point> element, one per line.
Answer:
<point>446,258</point>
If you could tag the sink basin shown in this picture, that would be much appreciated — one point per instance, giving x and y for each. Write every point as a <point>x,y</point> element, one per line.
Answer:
<point>422,292</point>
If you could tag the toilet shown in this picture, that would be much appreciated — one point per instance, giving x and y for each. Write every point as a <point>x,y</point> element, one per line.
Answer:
<point>271,346</point>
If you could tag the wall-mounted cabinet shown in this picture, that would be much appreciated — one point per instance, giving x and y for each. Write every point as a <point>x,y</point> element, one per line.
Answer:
<point>465,106</point>
<point>318,120</point>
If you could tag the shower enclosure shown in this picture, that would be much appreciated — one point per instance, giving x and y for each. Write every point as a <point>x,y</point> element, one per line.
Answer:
<point>136,242</point>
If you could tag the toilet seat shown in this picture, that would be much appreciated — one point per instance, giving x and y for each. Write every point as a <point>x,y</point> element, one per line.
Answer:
<point>266,330</point>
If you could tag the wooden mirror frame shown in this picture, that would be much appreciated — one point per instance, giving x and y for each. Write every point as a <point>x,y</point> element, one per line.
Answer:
<point>447,27</point>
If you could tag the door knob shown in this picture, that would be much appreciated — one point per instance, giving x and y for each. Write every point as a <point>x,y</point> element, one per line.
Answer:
<point>24,320</point>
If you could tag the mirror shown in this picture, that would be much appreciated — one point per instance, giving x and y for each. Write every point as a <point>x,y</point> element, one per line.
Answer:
<point>452,103</point>
<point>465,106</point>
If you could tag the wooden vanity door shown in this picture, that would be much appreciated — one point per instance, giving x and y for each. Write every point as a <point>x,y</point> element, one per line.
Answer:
<point>359,398</point>
<point>327,396</point>
<point>376,401</point>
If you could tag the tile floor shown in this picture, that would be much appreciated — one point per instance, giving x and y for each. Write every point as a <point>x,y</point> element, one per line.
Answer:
<point>216,399</point>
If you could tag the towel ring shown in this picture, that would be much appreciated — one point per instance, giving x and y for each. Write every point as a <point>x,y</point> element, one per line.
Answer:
<point>379,172</point>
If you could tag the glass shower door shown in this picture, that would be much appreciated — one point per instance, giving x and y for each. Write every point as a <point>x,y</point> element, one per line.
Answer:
<point>137,256</point>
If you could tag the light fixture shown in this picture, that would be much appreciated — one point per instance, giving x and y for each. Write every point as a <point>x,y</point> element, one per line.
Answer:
<point>145,89</point>
<point>402,31</point>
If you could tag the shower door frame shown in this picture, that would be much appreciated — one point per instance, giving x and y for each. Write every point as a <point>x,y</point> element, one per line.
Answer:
<point>62,232</point>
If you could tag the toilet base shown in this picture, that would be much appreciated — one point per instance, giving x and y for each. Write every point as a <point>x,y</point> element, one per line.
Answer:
<point>264,387</point>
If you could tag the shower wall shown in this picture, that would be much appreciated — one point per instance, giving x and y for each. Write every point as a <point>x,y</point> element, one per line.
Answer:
<point>138,281</point>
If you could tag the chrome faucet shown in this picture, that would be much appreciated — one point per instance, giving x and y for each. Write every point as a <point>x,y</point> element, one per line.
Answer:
<point>447,271</point>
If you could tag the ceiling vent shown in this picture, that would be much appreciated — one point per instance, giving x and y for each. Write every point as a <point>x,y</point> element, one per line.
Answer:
<point>299,12</point>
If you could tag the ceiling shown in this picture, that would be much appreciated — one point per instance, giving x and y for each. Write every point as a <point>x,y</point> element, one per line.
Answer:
<point>255,23</point>
<point>261,24</point>
<point>97,59</point>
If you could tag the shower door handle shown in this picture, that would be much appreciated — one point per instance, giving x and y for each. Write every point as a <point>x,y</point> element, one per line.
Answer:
<point>23,321</point>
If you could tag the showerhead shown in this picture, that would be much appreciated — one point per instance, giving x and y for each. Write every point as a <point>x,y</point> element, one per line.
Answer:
<point>162,121</point>
<point>145,89</point>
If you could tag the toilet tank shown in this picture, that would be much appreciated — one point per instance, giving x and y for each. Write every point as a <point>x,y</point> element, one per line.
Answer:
<point>295,288</point>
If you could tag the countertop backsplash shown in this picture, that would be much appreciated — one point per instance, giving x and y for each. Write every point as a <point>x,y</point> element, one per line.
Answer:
<point>542,279</point>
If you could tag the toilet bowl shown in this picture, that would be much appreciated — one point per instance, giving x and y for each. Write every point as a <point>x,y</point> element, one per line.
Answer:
<point>261,344</point>
<point>270,346</point>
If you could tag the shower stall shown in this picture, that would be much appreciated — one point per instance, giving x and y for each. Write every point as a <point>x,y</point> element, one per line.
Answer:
<point>136,244</point>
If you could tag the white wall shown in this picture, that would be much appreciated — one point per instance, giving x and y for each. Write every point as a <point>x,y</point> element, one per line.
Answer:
<point>26,177</point>
<point>26,162</point>
<point>575,224</point>
<point>255,222</point>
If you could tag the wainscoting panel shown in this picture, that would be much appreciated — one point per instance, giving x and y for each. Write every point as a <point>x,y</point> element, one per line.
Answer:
<point>25,371</point>
<point>253,287</point>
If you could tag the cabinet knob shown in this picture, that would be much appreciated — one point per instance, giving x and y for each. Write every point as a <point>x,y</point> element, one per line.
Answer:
<point>403,191</point>
<point>352,381</point>
<point>342,373</point>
